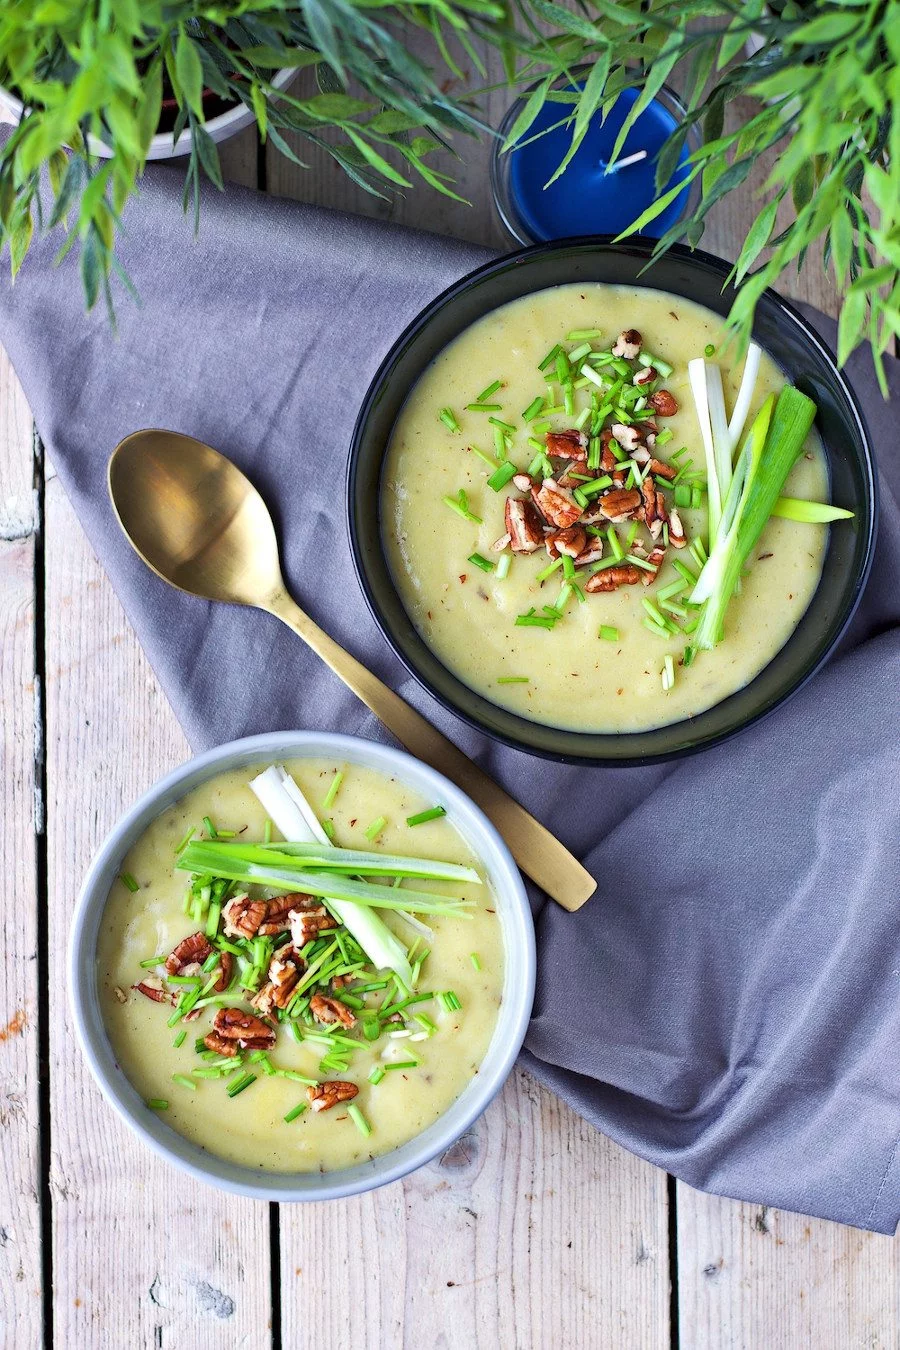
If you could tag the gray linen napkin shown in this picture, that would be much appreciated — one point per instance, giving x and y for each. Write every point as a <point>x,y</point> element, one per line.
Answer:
<point>727,1009</point>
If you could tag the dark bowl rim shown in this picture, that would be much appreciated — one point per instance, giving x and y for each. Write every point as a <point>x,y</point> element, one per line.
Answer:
<point>642,245</point>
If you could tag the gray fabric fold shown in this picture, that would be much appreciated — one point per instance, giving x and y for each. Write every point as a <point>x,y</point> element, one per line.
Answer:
<point>727,1004</point>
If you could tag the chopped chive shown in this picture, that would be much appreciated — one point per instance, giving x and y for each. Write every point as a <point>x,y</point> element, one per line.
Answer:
<point>582,418</point>
<point>568,567</point>
<point>500,446</point>
<point>295,1112</point>
<point>477,560</point>
<point>504,565</point>
<point>296,1077</point>
<point>401,1064</point>
<point>630,536</point>
<point>639,562</point>
<point>179,1039</point>
<point>267,832</point>
<point>549,358</point>
<point>376,1075</point>
<point>484,407</point>
<point>476,961</point>
<point>209,827</point>
<point>578,333</point>
<point>424,1022</point>
<point>433,813</point>
<point>334,788</point>
<point>541,427</point>
<point>180,847</point>
<point>240,1083</point>
<point>667,592</point>
<point>375,828</point>
<point>562,367</point>
<point>590,374</point>
<point>212,919</point>
<point>709,350</point>
<point>359,1120</point>
<point>663,437</point>
<point>158,1104</point>
<point>655,628</point>
<point>608,633</point>
<point>512,679</point>
<point>129,882</point>
<point>328,827</point>
<point>504,426</point>
<point>689,576</point>
<point>449,1001</point>
<point>593,460</point>
<point>153,961</point>
<point>183,1081</point>
<point>460,504</point>
<point>501,476</point>
<point>491,389</point>
<point>486,459</point>
<point>533,409</point>
<point>668,674</point>
<point>448,419</point>
<point>682,495</point>
<point>688,656</point>
<point>548,571</point>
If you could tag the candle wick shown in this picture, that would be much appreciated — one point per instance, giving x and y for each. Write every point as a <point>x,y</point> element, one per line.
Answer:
<point>624,163</point>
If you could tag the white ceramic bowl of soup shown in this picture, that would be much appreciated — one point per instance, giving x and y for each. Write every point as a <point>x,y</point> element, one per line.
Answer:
<point>478,836</point>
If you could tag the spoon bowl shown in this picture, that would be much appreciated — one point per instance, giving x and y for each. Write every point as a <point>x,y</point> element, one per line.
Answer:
<point>195,518</point>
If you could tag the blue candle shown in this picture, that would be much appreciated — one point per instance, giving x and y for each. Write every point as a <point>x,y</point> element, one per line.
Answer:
<point>587,198</point>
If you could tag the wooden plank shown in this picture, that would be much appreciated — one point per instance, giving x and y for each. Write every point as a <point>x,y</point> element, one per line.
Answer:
<point>20,1187</point>
<point>141,1255</point>
<point>532,1230</point>
<point>750,1276</point>
<point>239,158</point>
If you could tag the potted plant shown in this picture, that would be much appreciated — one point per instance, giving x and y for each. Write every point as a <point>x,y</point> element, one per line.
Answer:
<point>826,78</point>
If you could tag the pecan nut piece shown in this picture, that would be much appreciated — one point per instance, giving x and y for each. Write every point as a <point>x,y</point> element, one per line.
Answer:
<point>614,577</point>
<point>628,344</point>
<point>523,526</point>
<point>242,916</point>
<point>195,948</point>
<point>676,530</point>
<point>570,541</point>
<point>593,553</point>
<point>250,1033</point>
<point>628,437</point>
<point>661,470</point>
<point>277,915</point>
<point>648,492</point>
<point>663,403</point>
<point>620,503</point>
<point>151,986</point>
<point>285,970</point>
<point>556,504</point>
<point>326,1009</point>
<point>523,482</point>
<point>654,558</point>
<point>221,1046</point>
<point>567,444</point>
<point>325,1095</point>
<point>646,375</point>
<point>309,918</point>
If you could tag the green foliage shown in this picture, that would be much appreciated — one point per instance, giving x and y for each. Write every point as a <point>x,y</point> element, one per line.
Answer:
<point>825,80</point>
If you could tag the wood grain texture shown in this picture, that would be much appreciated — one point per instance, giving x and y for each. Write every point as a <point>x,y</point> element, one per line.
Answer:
<point>751,1276</point>
<point>20,1257</point>
<point>531,1230</point>
<point>142,1255</point>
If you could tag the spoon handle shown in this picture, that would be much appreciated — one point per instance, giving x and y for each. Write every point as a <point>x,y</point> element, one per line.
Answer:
<point>538,852</point>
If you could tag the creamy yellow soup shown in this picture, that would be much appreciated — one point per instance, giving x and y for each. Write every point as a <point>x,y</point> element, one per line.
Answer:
<point>250,1128</point>
<point>571,677</point>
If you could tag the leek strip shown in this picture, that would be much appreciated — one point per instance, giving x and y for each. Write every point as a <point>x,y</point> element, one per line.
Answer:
<point>697,375</point>
<point>809,513</point>
<point>331,886</point>
<point>380,945</point>
<point>769,454</point>
<point>745,394</point>
<point>353,862</point>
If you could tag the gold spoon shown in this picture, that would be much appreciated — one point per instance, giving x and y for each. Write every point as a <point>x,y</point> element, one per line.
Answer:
<point>200,524</point>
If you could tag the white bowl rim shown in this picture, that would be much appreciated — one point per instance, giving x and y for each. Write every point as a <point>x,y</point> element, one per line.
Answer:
<point>515,1008</point>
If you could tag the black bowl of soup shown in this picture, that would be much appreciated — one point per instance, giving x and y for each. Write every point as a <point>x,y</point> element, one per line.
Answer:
<point>542,651</point>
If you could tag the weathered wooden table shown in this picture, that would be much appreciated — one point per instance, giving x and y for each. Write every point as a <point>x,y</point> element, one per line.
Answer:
<point>532,1231</point>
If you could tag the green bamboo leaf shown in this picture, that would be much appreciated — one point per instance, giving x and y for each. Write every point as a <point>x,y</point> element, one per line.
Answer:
<point>189,71</point>
<point>841,238</point>
<point>826,29</point>
<point>851,324</point>
<point>371,156</point>
<point>757,238</point>
<point>803,185</point>
<point>20,239</point>
<point>659,72</point>
<point>324,34</point>
<point>334,107</point>
<point>658,206</point>
<point>588,104</point>
<point>873,277</point>
<point>150,106</point>
<point>208,155</point>
<point>533,104</point>
<point>57,167</point>
<point>91,268</point>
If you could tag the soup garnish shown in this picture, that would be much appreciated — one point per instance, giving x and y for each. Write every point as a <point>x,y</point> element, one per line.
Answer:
<point>313,962</point>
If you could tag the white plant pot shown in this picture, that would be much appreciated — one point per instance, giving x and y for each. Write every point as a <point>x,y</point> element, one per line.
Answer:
<point>220,128</point>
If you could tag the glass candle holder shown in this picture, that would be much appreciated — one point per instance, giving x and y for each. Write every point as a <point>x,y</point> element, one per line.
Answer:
<point>592,196</point>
